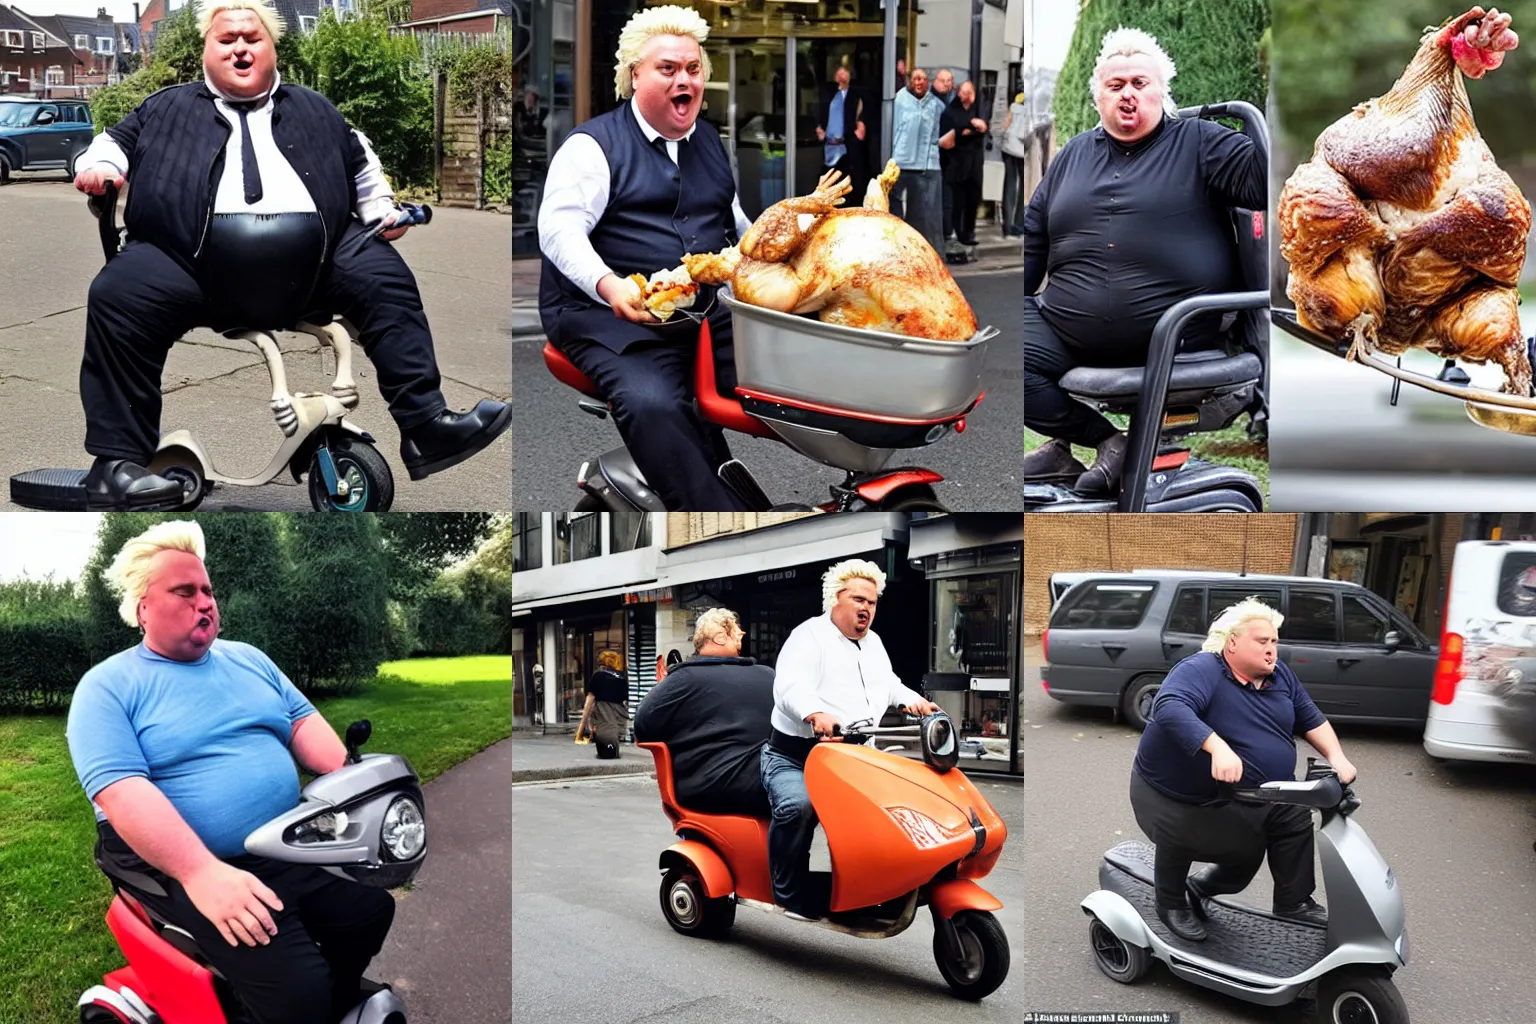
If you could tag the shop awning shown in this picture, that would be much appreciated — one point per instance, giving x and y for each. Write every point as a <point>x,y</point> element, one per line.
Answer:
<point>523,607</point>
<point>825,538</point>
<point>961,532</point>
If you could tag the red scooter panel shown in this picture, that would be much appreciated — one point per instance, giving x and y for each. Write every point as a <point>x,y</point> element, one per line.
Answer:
<point>741,841</point>
<point>180,989</point>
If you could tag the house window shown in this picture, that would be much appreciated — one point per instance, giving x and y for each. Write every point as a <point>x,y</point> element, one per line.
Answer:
<point>307,22</point>
<point>577,536</point>
<point>527,541</point>
<point>82,42</point>
<point>39,41</point>
<point>104,44</point>
<point>13,38</point>
<point>54,75</point>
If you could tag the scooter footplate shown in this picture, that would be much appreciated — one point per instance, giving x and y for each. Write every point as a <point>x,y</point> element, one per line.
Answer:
<point>1240,936</point>
<point>60,490</point>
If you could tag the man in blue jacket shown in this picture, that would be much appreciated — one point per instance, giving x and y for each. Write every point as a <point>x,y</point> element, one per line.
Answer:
<point>1229,715</point>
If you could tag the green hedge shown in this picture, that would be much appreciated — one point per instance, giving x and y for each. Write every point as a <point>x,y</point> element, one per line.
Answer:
<point>43,625</point>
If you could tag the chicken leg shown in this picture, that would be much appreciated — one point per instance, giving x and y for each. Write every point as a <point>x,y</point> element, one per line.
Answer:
<point>1483,326</point>
<point>1330,239</point>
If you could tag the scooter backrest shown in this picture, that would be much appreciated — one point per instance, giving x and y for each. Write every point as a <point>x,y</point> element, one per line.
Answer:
<point>663,758</point>
<point>178,987</point>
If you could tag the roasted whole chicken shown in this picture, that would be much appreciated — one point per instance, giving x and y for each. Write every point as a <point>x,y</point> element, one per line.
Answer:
<point>858,267</point>
<point>1401,230</point>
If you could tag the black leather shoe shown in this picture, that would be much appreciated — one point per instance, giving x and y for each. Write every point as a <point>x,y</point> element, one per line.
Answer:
<point>1183,923</point>
<point>1052,459</point>
<point>1308,910</point>
<point>1104,476</point>
<point>452,437</point>
<point>119,485</point>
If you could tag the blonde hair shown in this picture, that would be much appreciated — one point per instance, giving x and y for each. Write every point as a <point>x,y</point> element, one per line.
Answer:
<point>713,622</point>
<point>128,574</point>
<point>1129,42</point>
<point>835,580</point>
<point>646,25</point>
<point>1232,619</point>
<point>272,21</point>
<point>611,660</point>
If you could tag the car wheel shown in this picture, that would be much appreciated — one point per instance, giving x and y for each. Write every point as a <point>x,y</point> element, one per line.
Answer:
<point>1136,702</point>
<point>5,171</point>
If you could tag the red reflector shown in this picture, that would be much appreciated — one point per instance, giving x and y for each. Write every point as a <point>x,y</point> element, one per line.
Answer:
<point>960,425</point>
<point>1172,460</point>
<point>1448,669</point>
<point>1258,223</point>
<point>1045,644</point>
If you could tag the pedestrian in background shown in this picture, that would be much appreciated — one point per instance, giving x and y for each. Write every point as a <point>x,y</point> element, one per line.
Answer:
<point>944,89</point>
<point>840,125</point>
<point>915,147</point>
<point>965,137</point>
<point>1015,147</point>
<point>606,712</point>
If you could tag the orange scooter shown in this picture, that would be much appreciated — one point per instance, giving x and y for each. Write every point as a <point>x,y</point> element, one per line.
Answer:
<point>902,834</point>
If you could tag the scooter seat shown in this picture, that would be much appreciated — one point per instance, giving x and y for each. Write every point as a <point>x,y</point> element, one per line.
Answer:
<point>566,371</point>
<point>1193,372</point>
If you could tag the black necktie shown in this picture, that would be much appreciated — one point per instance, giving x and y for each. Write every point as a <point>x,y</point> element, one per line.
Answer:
<point>248,166</point>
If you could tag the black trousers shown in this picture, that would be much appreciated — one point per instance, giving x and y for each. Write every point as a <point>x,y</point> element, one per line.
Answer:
<point>1048,409</point>
<point>967,197</point>
<point>327,932</point>
<point>649,387</point>
<point>949,208</point>
<point>143,300</point>
<point>1234,837</point>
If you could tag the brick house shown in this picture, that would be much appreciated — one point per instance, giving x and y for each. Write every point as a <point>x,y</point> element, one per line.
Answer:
<point>469,17</point>
<point>297,15</point>
<point>95,43</point>
<point>31,57</point>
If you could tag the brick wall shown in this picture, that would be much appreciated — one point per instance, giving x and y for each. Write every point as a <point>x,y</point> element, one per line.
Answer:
<point>1259,543</point>
<point>425,10</point>
<point>688,527</point>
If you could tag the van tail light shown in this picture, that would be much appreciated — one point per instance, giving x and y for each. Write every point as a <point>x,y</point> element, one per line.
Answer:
<point>1448,671</point>
<point>1045,645</point>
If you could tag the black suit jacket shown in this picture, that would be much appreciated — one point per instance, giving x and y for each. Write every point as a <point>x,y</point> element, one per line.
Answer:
<point>856,107</point>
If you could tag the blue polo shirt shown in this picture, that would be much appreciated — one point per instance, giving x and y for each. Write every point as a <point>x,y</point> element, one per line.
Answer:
<point>1202,696</point>
<point>212,735</point>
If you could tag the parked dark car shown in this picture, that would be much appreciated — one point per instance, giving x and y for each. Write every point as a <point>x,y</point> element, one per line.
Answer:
<point>42,135</point>
<point>1114,636</point>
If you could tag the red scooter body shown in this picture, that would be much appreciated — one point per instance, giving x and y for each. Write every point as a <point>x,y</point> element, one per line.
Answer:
<point>180,989</point>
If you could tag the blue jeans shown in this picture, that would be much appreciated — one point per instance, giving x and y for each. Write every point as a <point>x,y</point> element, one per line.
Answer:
<point>918,194</point>
<point>791,828</point>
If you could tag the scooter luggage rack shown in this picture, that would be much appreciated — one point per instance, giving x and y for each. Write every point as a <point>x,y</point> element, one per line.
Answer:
<point>1496,410</point>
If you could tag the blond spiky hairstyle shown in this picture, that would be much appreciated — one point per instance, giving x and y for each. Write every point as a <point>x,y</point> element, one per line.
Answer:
<point>835,580</point>
<point>273,22</point>
<point>712,623</point>
<point>128,575</point>
<point>646,25</point>
<point>1128,42</point>
<point>1232,619</point>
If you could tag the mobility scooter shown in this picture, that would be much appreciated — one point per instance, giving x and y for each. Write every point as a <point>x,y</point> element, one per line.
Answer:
<point>346,472</point>
<point>902,833</point>
<point>893,392</point>
<point>366,821</point>
<point>1256,956</point>
<point>1179,393</point>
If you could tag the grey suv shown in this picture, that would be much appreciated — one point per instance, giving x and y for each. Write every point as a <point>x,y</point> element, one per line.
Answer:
<point>42,135</point>
<point>1114,636</point>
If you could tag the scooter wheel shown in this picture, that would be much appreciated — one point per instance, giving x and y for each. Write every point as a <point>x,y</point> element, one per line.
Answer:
<point>370,485</point>
<point>95,1013</point>
<point>983,962</point>
<point>917,498</point>
<point>1359,995</point>
<point>1117,958</point>
<point>688,908</point>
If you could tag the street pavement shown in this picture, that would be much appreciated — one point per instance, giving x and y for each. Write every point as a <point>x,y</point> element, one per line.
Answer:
<point>540,757</point>
<point>590,943</point>
<point>1458,839</point>
<point>219,388</point>
<point>980,467</point>
<point>448,951</point>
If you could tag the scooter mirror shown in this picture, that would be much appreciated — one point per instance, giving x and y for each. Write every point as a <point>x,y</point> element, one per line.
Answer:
<point>941,748</point>
<point>357,734</point>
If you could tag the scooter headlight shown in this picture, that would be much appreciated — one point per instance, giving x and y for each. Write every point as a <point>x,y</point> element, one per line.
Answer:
<point>404,833</point>
<point>941,747</point>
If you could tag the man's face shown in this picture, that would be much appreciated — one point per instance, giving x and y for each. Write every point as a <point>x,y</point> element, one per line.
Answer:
<point>944,82</point>
<point>967,93</point>
<point>918,83</point>
<point>842,78</point>
<point>854,611</point>
<point>1251,649</point>
<point>178,612</point>
<point>238,56</point>
<point>901,65</point>
<point>669,84</point>
<point>1130,97</point>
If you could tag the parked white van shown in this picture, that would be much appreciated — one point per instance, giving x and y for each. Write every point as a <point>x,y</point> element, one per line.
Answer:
<point>1483,704</point>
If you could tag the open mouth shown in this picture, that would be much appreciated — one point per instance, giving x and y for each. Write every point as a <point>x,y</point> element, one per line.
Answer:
<point>242,65</point>
<point>681,102</point>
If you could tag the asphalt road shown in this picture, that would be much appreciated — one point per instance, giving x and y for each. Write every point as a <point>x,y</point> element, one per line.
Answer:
<point>980,467</point>
<point>590,945</point>
<point>219,388</point>
<point>1459,840</point>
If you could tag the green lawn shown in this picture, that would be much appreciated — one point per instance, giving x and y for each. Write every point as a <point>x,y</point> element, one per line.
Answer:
<point>54,942</point>
<point>1230,447</point>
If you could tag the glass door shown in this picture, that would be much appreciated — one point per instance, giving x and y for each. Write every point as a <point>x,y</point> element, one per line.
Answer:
<point>973,645</point>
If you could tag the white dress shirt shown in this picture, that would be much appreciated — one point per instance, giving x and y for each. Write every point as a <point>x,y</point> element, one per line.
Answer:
<point>282,191</point>
<point>575,196</point>
<point>820,669</point>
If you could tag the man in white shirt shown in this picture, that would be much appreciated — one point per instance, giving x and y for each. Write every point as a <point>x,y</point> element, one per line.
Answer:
<point>629,192</point>
<point>832,671</point>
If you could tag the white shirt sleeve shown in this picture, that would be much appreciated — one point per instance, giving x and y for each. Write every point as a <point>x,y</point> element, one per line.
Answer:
<point>375,199</point>
<point>575,196</point>
<point>743,222</point>
<point>796,674</point>
<point>101,153</point>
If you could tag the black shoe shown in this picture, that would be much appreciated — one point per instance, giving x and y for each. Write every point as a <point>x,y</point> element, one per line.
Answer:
<point>1104,477</point>
<point>1183,923</point>
<point>122,486</point>
<point>452,437</point>
<point>1198,895</point>
<point>1308,911</point>
<point>1052,459</point>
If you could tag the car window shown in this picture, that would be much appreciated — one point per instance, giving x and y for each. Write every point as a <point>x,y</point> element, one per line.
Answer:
<point>1103,604</point>
<point>1188,614</point>
<point>1227,595</point>
<point>1517,584</point>
<point>1310,618</point>
<point>1362,623</point>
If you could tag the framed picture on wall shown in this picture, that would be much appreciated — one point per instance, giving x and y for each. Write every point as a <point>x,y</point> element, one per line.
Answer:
<point>1349,560</point>
<point>1410,583</point>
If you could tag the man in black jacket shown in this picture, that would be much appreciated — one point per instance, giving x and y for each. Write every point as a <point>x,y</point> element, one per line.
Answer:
<point>840,125</point>
<point>248,196</point>
<point>713,712</point>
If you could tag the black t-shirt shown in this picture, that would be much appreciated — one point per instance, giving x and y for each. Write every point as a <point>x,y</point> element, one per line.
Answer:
<point>608,686</point>
<point>1125,231</point>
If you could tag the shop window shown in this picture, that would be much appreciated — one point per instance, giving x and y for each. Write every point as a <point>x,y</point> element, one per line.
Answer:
<point>628,531</point>
<point>578,535</point>
<point>527,541</point>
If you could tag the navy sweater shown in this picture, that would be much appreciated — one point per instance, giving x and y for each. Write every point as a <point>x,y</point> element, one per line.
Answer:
<point>1201,696</point>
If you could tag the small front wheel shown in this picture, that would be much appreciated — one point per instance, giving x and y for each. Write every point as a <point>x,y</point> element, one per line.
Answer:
<point>983,961</point>
<point>363,477</point>
<point>689,910</point>
<point>1359,995</point>
<point>1117,958</point>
